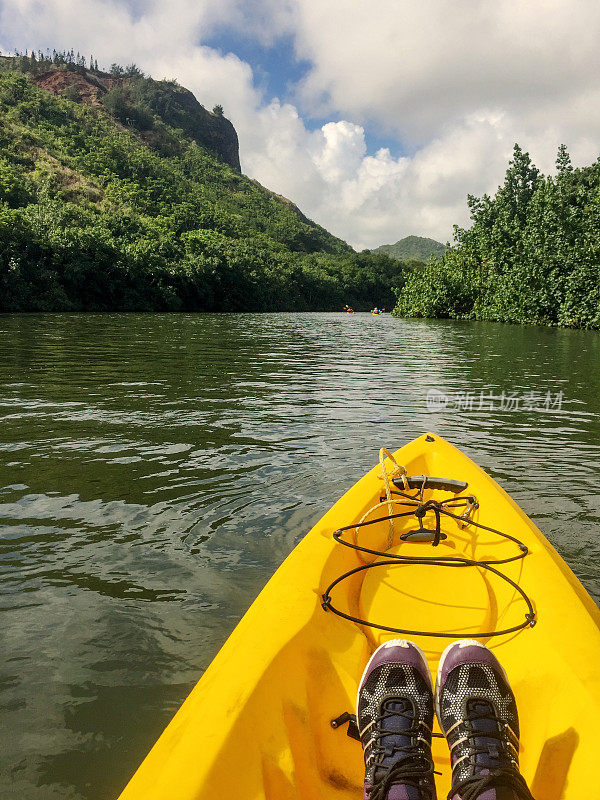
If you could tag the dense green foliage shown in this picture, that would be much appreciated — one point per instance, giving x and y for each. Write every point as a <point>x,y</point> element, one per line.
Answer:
<point>97,215</point>
<point>531,255</point>
<point>419,248</point>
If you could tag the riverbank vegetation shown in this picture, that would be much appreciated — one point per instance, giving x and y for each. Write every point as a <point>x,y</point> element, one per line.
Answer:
<point>531,254</point>
<point>112,204</point>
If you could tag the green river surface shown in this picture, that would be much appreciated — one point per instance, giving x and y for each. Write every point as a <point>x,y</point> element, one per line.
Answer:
<point>155,469</point>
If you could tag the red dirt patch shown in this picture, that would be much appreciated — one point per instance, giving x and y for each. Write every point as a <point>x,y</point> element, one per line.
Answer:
<point>84,87</point>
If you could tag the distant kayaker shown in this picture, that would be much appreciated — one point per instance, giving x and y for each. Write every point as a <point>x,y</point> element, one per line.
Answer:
<point>476,711</point>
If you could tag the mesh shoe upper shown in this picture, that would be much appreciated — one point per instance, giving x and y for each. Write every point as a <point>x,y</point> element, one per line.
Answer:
<point>394,715</point>
<point>478,715</point>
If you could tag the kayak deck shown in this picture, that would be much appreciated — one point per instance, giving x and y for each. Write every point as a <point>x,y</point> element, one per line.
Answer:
<point>258,723</point>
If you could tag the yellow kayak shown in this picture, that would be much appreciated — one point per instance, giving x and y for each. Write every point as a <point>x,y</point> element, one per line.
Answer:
<point>457,558</point>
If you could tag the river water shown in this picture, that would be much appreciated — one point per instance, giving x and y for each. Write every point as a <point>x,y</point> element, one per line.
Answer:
<point>156,469</point>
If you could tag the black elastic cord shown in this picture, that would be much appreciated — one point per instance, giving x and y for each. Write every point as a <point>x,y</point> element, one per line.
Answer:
<point>393,559</point>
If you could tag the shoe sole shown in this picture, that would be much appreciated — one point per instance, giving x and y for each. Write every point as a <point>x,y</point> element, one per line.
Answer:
<point>393,643</point>
<point>438,677</point>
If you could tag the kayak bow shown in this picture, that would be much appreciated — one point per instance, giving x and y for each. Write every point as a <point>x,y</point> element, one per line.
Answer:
<point>461,559</point>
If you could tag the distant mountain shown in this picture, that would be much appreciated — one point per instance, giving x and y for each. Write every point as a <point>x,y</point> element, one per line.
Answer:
<point>417,247</point>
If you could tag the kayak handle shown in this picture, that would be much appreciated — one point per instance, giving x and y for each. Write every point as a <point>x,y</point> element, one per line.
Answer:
<point>429,482</point>
<point>352,730</point>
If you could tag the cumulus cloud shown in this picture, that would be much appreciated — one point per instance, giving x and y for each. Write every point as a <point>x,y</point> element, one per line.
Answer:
<point>456,83</point>
<point>369,199</point>
<point>415,66</point>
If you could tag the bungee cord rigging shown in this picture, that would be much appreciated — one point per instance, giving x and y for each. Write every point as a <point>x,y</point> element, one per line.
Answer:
<point>419,508</point>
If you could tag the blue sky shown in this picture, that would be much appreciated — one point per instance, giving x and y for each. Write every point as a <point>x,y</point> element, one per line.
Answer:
<point>375,118</point>
<point>275,66</point>
<point>277,70</point>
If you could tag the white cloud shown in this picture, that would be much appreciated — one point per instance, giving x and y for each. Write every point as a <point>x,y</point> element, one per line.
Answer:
<point>457,82</point>
<point>342,151</point>
<point>415,66</point>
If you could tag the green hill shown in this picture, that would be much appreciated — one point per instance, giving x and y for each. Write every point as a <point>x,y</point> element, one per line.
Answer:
<point>412,247</point>
<point>120,192</point>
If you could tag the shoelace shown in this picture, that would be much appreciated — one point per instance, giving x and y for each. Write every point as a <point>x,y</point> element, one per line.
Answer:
<point>412,765</point>
<point>409,771</point>
<point>506,775</point>
<point>472,788</point>
<point>503,734</point>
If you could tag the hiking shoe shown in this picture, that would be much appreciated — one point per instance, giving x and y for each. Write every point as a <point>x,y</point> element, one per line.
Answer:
<point>394,715</point>
<point>477,712</point>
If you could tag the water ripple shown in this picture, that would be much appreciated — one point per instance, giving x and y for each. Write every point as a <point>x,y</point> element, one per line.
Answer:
<point>155,470</point>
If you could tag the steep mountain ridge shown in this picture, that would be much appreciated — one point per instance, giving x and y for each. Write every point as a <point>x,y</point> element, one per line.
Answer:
<point>134,99</point>
<point>115,203</point>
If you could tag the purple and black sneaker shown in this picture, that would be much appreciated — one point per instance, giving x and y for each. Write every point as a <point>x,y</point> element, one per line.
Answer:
<point>477,712</point>
<point>394,715</point>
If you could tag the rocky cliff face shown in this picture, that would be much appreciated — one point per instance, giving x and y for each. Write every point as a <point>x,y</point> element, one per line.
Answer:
<point>174,104</point>
<point>178,107</point>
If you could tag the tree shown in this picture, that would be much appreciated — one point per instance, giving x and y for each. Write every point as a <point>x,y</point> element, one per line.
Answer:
<point>117,70</point>
<point>133,71</point>
<point>521,181</point>
<point>218,111</point>
<point>563,161</point>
